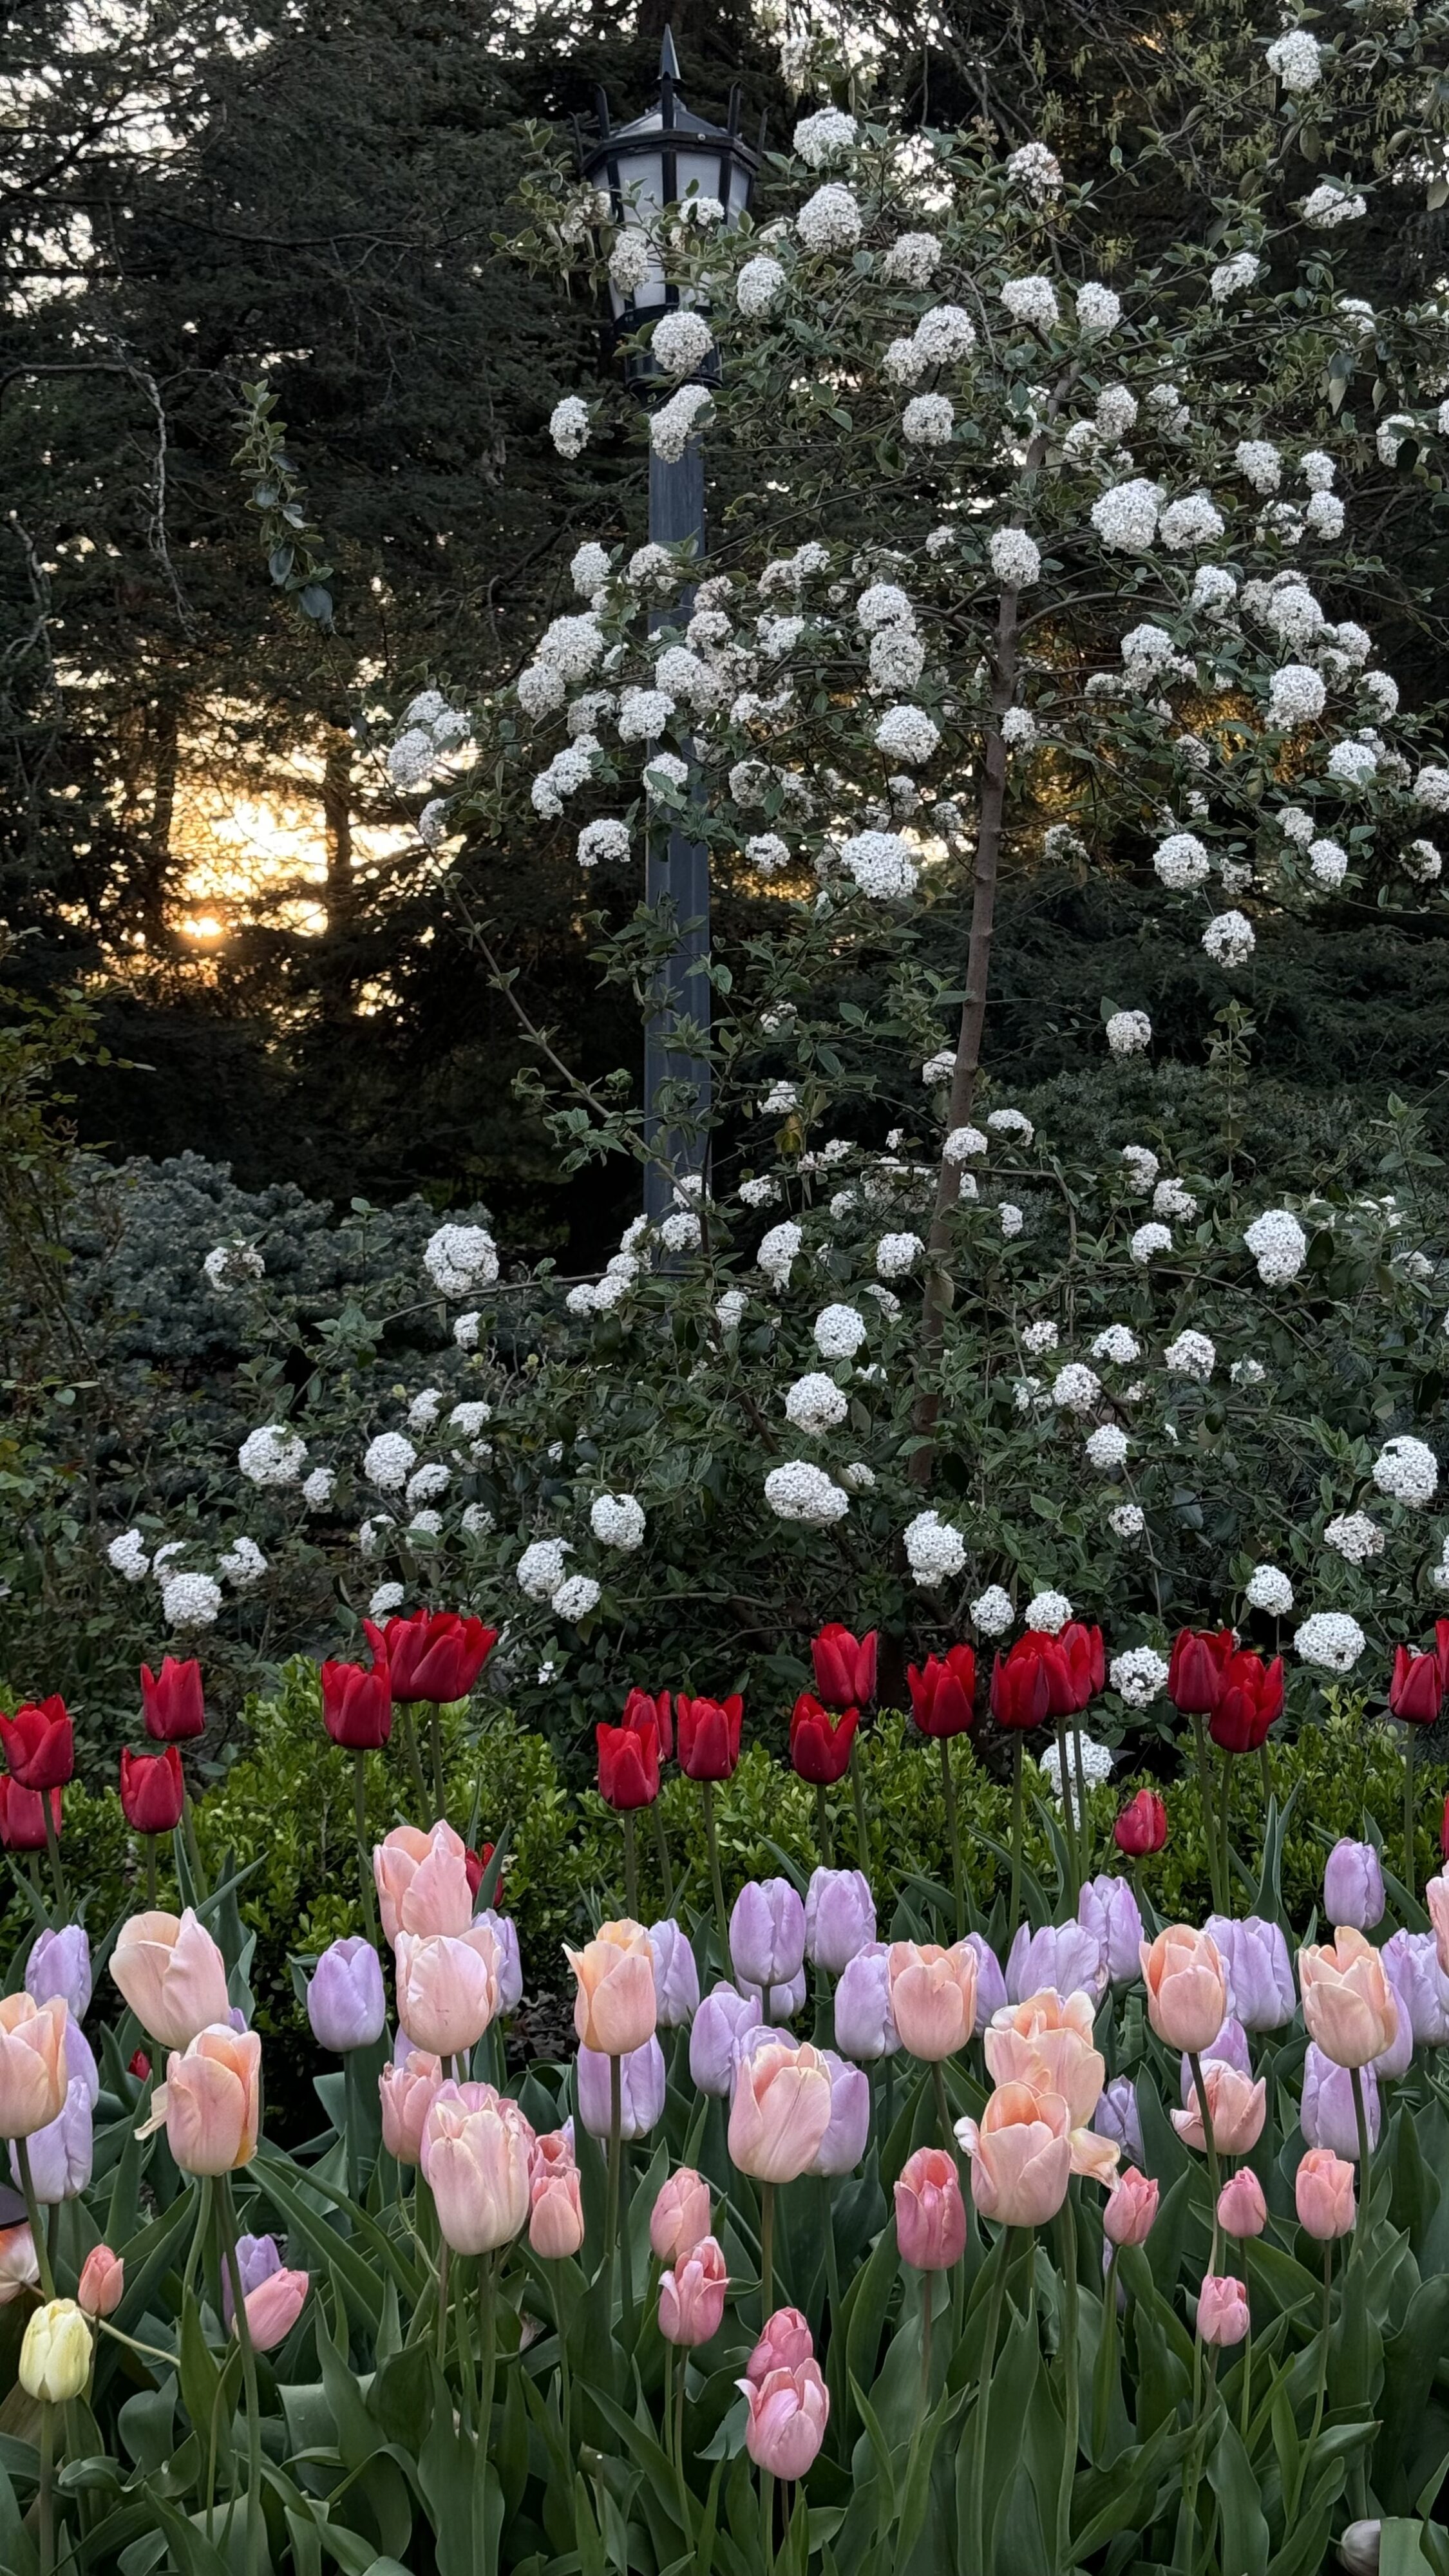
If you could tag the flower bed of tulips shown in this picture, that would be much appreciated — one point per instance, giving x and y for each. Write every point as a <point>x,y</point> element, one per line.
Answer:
<point>1053,2236</point>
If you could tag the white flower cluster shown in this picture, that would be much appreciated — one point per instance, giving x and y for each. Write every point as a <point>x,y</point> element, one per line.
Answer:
<point>1148,1241</point>
<point>1229,939</point>
<point>880,862</point>
<point>1015,558</point>
<point>935,1552</point>
<point>1076,1388</point>
<point>991,1611</point>
<point>1047,1613</point>
<point>272,1456</point>
<point>568,425</point>
<point>1191,523</point>
<point>1329,206</point>
<point>1031,300</point>
<point>681,341</point>
<point>1138,1675</point>
<point>799,1492</point>
<point>190,1601</point>
<point>617,1520</point>
<point>672,426</point>
<point>1294,59</point>
<point>778,1249</point>
<point>605,840</point>
<point>1088,1763</point>
<point>388,1461</point>
<point>839,1332</point>
<point>1330,1640</point>
<point>1106,1448</point>
<point>826,136</point>
<point>1278,1244</point>
<point>1119,1344</point>
<point>1129,1033</point>
<point>1355,1537</point>
<point>815,1404</point>
<point>1191,1355</point>
<point>1407,1470</point>
<point>1036,169</point>
<point>127,1555</point>
<point>759,285</point>
<point>460,1258</point>
<point>1182,862</point>
<point>1128,1520</point>
<point>828,224</point>
<point>912,260</point>
<point>928,420</point>
<point>228,1265</point>
<point>1126,516</point>
<point>1269,1589</point>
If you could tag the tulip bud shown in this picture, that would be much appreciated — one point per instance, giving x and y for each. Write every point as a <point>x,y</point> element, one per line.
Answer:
<point>1142,1825</point>
<point>1359,2547</point>
<point>210,2103</point>
<point>1187,1996</point>
<point>615,2008</point>
<point>1131,2208</point>
<point>171,1701</point>
<point>1242,2210</point>
<point>1416,1689</point>
<point>346,2001</point>
<point>1117,2117</point>
<point>1254,1954</point>
<point>681,2215</point>
<point>839,1918</point>
<point>864,2023</point>
<point>722,2020</point>
<point>476,2160</point>
<point>1323,2189</point>
<point>22,1815</point>
<point>1108,1910</point>
<point>357,1698</point>
<point>172,1975</point>
<point>1222,2310</point>
<point>273,2307</point>
<point>407,2090</point>
<point>848,2128</point>
<point>930,2211</point>
<point>943,1692</point>
<point>781,2109</point>
<point>844,1666</point>
<point>33,2076</point>
<point>692,2295</point>
<point>767,1933</point>
<point>933,1997</point>
<point>1326,2112</point>
<point>436,1655</point>
<point>1348,2003</point>
<point>153,1790</point>
<point>39,1745</point>
<point>784,2344</point>
<point>1353,1885</point>
<point>1195,1674</point>
<point>676,1977</point>
<point>556,2214</point>
<point>422,1882</point>
<point>628,1764</point>
<point>60,1964</point>
<point>709,1736</point>
<point>102,2282</point>
<point>1068,1956</point>
<point>820,1743</point>
<point>55,2357</point>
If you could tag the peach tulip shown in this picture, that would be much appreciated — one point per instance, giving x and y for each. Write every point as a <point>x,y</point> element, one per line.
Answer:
<point>786,2341</point>
<point>1222,2309</point>
<point>788,2414</point>
<point>615,2008</point>
<point>930,2212</point>
<point>681,2217</point>
<point>102,2282</point>
<point>1242,2210</point>
<point>273,2307</point>
<point>210,2103</point>
<point>1046,2042</point>
<point>1187,1992</point>
<point>1021,2155</point>
<point>556,2211</point>
<point>476,2160</point>
<point>1237,2108</point>
<point>553,2152</point>
<point>1323,2191</point>
<point>1131,2209</point>
<point>447,1988</point>
<point>780,2111</point>
<point>19,2262</point>
<point>1436,1897</point>
<point>692,2295</point>
<point>172,1975</point>
<point>422,1881</point>
<point>32,2063</point>
<point>933,1996</point>
<point>407,2091</point>
<point>1349,2005</point>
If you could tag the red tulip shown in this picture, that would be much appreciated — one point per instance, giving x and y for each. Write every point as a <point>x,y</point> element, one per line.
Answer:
<point>1084,1656</point>
<point>628,1765</point>
<point>709,1736</point>
<point>1195,1676</point>
<point>1441,1647</point>
<point>1251,1699</point>
<point>475,1863</point>
<point>1142,1825</point>
<point>39,1744</point>
<point>844,1666</point>
<point>943,1697</point>
<point>437,1655</point>
<point>641,1706</point>
<point>819,1743</point>
<point>171,1701</point>
<point>139,2066</point>
<point>22,1815</point>
<point>1020,1689</point>
<point>357,1698</point>
<point>152,1790</point>
<point>1416,1690</point>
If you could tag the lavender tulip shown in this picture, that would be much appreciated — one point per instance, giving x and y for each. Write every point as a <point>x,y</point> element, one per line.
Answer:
<point>60,2153</point>
<point>1108,1908</point>
<point>641,2087</point>
<point>60,1964</point>
<point>1230,2048</point>
<point>80,2062</point>
<point>991,1995</point>
<point>258,2257</point>
<point>1353,1885</point>
<point>865,2026</point>
<point>1326,2113</point>
<point>1411,1964</point>
<point>510,1963</point>
<point>767,1933</point>
<point>843,2145</point>
<point>1117,2117</point>
<point>785,2001</point>
<point>1064,1955</point>
<point>839,1918</point>
<point>720,2023</point>
<point>1261,1990</point>
<point>676,1977</point>
<point>346,2003</point>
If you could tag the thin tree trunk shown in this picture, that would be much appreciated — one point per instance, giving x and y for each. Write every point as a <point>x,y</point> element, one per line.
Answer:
<point>341,894</point>
<point>156,866</point>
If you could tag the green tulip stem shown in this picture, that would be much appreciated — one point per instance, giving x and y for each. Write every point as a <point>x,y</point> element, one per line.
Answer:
<point>1069,1818</point>
<point>1305,2456</point>
<point>1071,2379</point>
<point>1210,2149</point>
<point>822,1825</point>
<point>611,2189</point>
<point>32,2211</point>
<point>953,1834</point>
<point>857,1784</point>
<point>1014,1909</point>
<point>943,2108</point>
<point>150,1843</point>
<point>1185,2555</point>
<point>364,1856</point>
<point>1209,1814</point>
<point>1360,2120</point>
<point>661,1848</point>
<point>1083,1822</point>
<point>564,2399</point>
<point>1410,1746</point>
<point>487,2371</point>
<point>767,2253</point>
<point>1000,2257</point>
<point>45,2502</point>
<point>928,2286</point>
<point>193,1848</point>
<point>631,1866</point>
<point>409,1734</point>
<point>767,2520</point>
<point>1101,2397</point>
<point>444,2300</point>
<point>435,1743</point>
<point>679,2396</point>
<point>52,1845</point>
<point>1225,1818</point>
<point>722,1923</point>
<point>256,2525</point>
<point>199,2235</point>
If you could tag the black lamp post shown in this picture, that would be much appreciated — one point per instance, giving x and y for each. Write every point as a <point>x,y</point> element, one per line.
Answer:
<point>647,166</point>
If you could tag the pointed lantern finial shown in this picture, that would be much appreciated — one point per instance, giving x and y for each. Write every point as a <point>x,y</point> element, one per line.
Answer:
<point>668,58</point>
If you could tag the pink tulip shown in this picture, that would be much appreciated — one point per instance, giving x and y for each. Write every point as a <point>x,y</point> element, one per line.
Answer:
<point>32,2063</point>
<point>1323,2191</point>
<point>553,2152</point>
<point>447,1988</point>
<point>273,2307</point>
<point>692,2295</point>
<point>1222,2309</point>
<point>1436,1897</point>
<point>172,1975</point>
<point>422,1881</point>
<point>556,2212</point>
<point>102,2282</point>
<point>1237,2108</point>
<point>788,2414</point>
<point>1242,2210</point>
<point>781,2110</point>
<point>19,2262</point>
<point>615,2008</point>
<point>785,2343</point>
<point>933,1996</point>
<point>1131,2208</point>
<point>1349,2005</point>
<point>476,2155</point>
<point>210,2103</point>
<point>1021,2155</point>
<point>1046,2042</point>
<point>407,2091</point>
<point>681,2217</point>
<point>1187,1994</point>
<point>930,2212</point>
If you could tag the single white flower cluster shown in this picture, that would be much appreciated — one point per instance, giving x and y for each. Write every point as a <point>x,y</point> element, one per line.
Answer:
<point>388,1461</point>
<point>801,1492</point>
<point>229,1265</point>
<point>778,1249</point>
<point>190,1601</point>
<point>1330,1640</point>
<point>1229,939</point>
<point>991,1611</point>
<point>1407,1470</point>
<point>1031,300</point>
<point>672,426</point>
<point>1106,1448</point>
<point>460,1258</point>
<point>1329,206</point>
<point>1355,1536</point>
<point>1191,1355</point>
<point>1088,1765</point>
<point>1047,1613</point>
<point>928,420</point>
<point>964,1144</point>
<point>681,341</point>
<point>1259,462</point>
<point>1279,1246</point>
<point>897,1254</point>
<point>1182,862</point>
<point>881,863</point>
<point>1076,1388</point>
<point>1036,169</point>
<point>912,260</point>
<point>1269,1589</point>
<point>759,286</point>
<point>605,840</point>
<point>1129,1033</point>
<point>839,1332</point>
<point>1294,59</point>
<point>127,1555</point>
<point>907,733</point>
<point>1138,1675</point>
<point>1128,1520</point>
<point>568,425</point>
<point>828,224</point>
<point>815,1404</point>
<point>1234,276</point>
<point>272,1456</point>
<point>242,1564</point>
<point>1119,1344</point>
<point>825,137</point>
<point>617,1520</point>
<point>541,1568</point>
<point>1126,516</point>
<point>935,1552</point>
<point>1296,696</point>
<point>1148,1241</point>
<point>1015,558</point>
<point>1190,524</point>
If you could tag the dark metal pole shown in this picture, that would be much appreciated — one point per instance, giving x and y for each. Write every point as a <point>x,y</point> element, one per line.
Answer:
<point>677,868</point>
